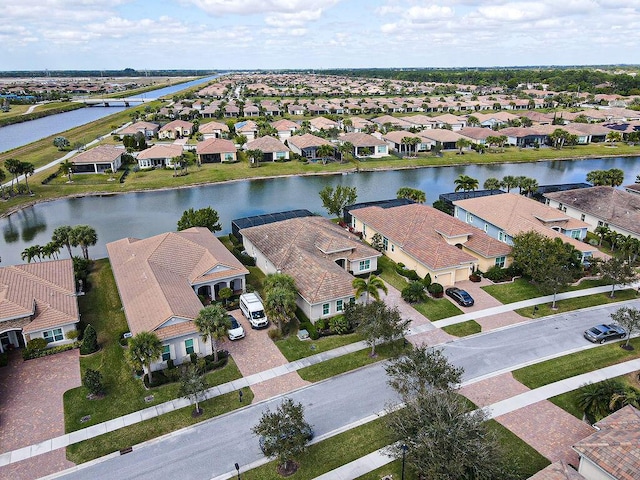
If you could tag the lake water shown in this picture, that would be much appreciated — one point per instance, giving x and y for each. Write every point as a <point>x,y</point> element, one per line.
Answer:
<point>144,214</point>
<point>16,135</point>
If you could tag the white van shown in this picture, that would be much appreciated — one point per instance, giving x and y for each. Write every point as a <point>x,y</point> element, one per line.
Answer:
<point>251,306</point>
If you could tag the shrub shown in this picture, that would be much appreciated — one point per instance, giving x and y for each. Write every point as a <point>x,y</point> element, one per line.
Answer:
<point>405,272</point>
<point>193,356</point>
<point>339,325</point>
<point>4,359</point>
<point>274,334</point>
<point>89,341</point>
<point>496,274</point>
<point>435,289</point>
<point>29,354</point>
<point>311,328</point>
<point>72,334</point>
<point>93,381</point>
<point>426,281</point>
<point>322,324</point>
<point>38,343</point>
<point>414,292</point>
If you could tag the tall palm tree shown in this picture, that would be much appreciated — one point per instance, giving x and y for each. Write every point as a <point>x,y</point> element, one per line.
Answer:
<point>465,183</point>
<point>491,184</point>
<point>66,168</point>
<point>528,185</point>
<point>594,398</point>
<point>143,349</point>
<point>31,252</point>
<point>280,305</point>
<point>85,236</point>
<point>13,167</point>
<point>213,323</point>
<point>51,250</point>
<point>3,177</point>
<point>369,287</point>
<point>255,156</point>
<point>26,169</point>
<point>602,231</point>
<point>62,236</point>
<point>325,151</point>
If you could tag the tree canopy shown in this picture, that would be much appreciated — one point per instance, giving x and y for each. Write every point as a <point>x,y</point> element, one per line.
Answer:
<point>205,217</point>
<point>414,194</point>
<point>335,199</point>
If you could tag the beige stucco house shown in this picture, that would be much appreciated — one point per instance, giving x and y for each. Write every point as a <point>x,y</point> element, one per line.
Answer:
<point>98,160</point>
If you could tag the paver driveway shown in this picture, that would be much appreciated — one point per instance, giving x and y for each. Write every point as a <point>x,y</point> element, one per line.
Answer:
<point>31,409</point>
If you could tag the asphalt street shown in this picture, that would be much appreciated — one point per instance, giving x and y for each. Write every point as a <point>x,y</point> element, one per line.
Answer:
<point>211,448</point>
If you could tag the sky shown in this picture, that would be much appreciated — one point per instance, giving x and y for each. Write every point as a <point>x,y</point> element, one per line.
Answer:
<point>315,34</point>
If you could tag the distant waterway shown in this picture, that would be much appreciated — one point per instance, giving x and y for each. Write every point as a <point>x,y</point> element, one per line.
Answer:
<point>16,135</point>
<point>149,213</point>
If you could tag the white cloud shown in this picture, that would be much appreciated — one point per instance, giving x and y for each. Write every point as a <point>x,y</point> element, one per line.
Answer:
<point>252,7</point>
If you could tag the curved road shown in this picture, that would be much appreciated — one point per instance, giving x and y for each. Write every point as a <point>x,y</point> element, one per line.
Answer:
<point>211,448</point>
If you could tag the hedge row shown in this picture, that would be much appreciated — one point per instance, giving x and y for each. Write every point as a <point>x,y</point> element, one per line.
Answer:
<point>28,354</point>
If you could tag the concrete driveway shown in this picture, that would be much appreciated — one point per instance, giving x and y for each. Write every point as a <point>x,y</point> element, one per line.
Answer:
<point>31,409</point>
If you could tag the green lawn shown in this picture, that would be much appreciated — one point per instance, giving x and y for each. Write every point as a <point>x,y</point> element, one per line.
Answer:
<point>388,273</point>
<point>294,349</point>
<point>463,329</point>
<point>437,309</point>
<point>351,361</point>
<point>544,373</point>
<point>577,303</point>
<point>515,291</point>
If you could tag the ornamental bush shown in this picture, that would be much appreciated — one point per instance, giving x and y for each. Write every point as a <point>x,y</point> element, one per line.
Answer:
<point>435,289</point>
<point>339,325</point>
<point>414,293</point>
<point>93,381</point>
<point>38,343</point>
<point>89,341</point>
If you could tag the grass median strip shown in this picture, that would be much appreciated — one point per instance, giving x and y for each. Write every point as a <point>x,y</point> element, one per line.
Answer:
<point>470,327</point>
<point>294,349</point>
<point>571,304</point>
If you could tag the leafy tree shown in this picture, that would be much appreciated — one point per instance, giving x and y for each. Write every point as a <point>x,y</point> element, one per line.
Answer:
<point>616,271</point>
<point>213,323</point>
<point>89,341</point>
<point>143,349</point>
<point>284,433</point>
<point>85,236</point>
<point>491,184</point>
<point>274,280</point>
<point>334,200</point>
<point>62,236</point>
<point>225,294</point>
<point>193,386</point>
<point>93,382</point>
<point>414,194</point>
<point>377,242</point>
<point>205,217</point>
<point>369,287</point>
<point>629,319</point>
<point>414,292</point>
<point>61,143</point>
<point>381,324</point>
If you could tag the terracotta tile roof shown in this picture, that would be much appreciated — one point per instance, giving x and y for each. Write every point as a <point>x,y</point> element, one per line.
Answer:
<point>477,133</point>
<point>419,120</point>
<point>515,214</point>
<point>138,127</point>
<point>267,144</point>
<point>44,289</point>
<point>211,127</point>
<point>450,119</point>
<point>421,231</point>
<point>557,471</point>
<point>215,145</point>
<point>393,121</point>
<point>614,206</point>
<point>396,136</point>
<point>615,448</point>
<point>590,128</point>
<point>307,249</point>
<point>284,124</point>
<point>161,151</point>
<point>155,275</point>
<point>440,135</point>
<point>322,122</point>
<point>176,124</point>
<point>359,139</point>
<point>247,126</point>
<point>99,154</point>
<point>357,122</point>
<point>307,140</point>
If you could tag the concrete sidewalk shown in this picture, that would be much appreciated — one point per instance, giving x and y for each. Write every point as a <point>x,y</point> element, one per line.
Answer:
<point>377,459</point>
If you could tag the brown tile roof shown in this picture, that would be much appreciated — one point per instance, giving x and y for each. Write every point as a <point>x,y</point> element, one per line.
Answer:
<point>307,140</point>
<point>440,135</point>
<point>307,248</point>
<point>138,127</point>
<point>615,448</point>
<point>176,124</point>
<point>477,133</point>
<point>557,471</point>
<point>211,127</point>
<point>421,230</point>
<point>515,214</point>
<point>99,154</point>
<point>155,275</point>
<point>284,124</point>
<point>322,122</point>
<point>360,139</point>
<point>161,151</point>
<point>267,144</point>
<point>46,289</point>
<point>396,136</point>
<point>614,206</point>
<point>215,145</point>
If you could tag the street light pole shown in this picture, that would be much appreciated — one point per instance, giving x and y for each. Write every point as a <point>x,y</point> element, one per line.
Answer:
<point>238,470</point>
<point>404,454</point>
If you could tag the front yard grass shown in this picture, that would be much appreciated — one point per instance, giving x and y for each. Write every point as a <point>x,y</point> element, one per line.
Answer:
<point>351,361</point>
<point>577,303</point>
<point>141,432</point>
<point>295,349</point>
<point>556,369</point>
<point>521,289</point>
<point>437,309</point>
<point>388,273</point>
<point>470,327</point>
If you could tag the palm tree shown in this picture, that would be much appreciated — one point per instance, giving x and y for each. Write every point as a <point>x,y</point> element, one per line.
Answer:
<point>369,287</point>
<point>255,156</point>
<point>3,177</point>
<point>13,167</point>
<point>51,250</point>
<point>85,236</point>
<point>346,149</point>
<point>465,183</point>
<point>143,349</point>
<point>66,168</point>
<point>32,252</point>
<point>461,144</point>
<point>594,398</point>
<point>615,177</point>
<point>213,323</point>
<point>325,151</point>
<point>280,305</point>
<point>613,137</point>
<point>62,236</point>
<point>602,231</point>
<point>26,169</point>
<point>630,396</point>
<point>491,184</point>
<point>528,185</point>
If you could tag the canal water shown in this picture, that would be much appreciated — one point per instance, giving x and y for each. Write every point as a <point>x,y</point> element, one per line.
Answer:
<point>18,134</point>
<point>144,214</point>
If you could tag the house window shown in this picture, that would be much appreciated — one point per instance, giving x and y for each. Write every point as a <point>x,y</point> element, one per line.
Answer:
<point>280,155</point>
<point>228,157</point>
<point>339,306</point>
<point>325,309</point>
<point>560,206</point>
<point>582,217</point>
<point>486,227</point>
<point>393,247</point>
<point>381,149</point>
<point>166,353</point>
<point>54,335</point>
<point>575,234</point>
<point>469,218</point>
<point>502,237</point>
<point>352,300</point>
<point>364,265</point>
<point>500,262</point>
<point>385,243</point>
<point>188,346</point>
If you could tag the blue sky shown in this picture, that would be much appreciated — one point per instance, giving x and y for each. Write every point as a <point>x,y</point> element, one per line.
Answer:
<point>315,34</point>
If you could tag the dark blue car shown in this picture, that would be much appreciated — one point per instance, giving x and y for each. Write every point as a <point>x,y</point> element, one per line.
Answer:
<point>460,296</point>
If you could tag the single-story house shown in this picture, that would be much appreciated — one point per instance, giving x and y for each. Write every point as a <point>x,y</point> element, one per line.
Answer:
<point>395,139</point>
<point>357,125</point>
<point>523,136</point>
<point>478,135</point>
<point>175,129</point>
<point>506,215</point>
<point>213,130</point>
<point>98,159</point>
<point>160,279</point>
<point>216,150</point>
<point>37,300</point>
<point>248,128</point>
<point>307,144</point>
<point>285,128</point>
<point>430,241</point>
<point>251,111</point>
<point>319,255</point>
<point>365,145</point>
<point>322,123</point>
<point>272,148</point>
<point>420,121</point>
<point>617,209</point>
<point>456,123</point>
<point>148,129</point>
<point>393,121</point>
<point>497,119</point>
<point>159,155</point>
<point>446,138</point>
<point>596,132</point>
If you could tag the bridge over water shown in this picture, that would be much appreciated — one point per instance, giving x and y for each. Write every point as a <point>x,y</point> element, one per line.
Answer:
<point>113,102</point>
